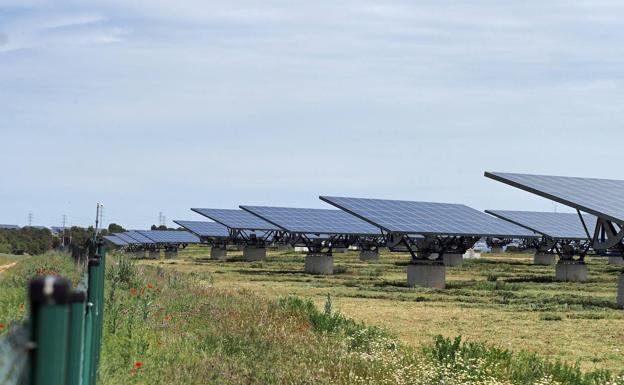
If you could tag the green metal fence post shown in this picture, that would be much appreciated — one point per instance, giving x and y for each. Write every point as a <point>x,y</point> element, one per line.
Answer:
<point>49,296</point>
<point>76,337</point>
<point>89,348</point>
<point>101,253</point>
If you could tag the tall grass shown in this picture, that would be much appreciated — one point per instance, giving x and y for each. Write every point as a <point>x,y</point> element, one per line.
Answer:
<point>14,282</point>
<point>163,328</point>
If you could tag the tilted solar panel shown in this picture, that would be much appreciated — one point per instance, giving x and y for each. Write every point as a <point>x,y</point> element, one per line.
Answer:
<point>236,219</point>
<point>171,236</point>
<point>142,239</point>
<point>601,197</point>
<point>205,229</point>
<point>553,225</point>
<point>9,227</point>
<point>126,238</point>
<point>116,240</point>
<point>428,218</point>
<point>315,221</point>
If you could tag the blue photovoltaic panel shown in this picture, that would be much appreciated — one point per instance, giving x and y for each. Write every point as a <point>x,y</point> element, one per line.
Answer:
<point>171,236</point>
<point>236,219</point>
<point>126,238</point>
<point>205,229</point>
<point>600,197</point>
<point>116,240</point>
<point>428,218</point>
<point>9,227</point>
<point>553,225</point>
<point>142,239</point>
<point>315,221</point>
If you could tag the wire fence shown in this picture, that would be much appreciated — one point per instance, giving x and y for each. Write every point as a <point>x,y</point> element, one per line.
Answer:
<point>60,341</point>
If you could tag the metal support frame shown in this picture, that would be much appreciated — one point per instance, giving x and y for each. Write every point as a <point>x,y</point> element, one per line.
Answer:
<point>422,249</point>
<point>565,249</point>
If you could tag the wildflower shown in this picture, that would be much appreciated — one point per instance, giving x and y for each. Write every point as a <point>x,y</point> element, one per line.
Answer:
<point>21,306</point>
<point>149,286</point>
<point>138,365</point>
<point>133,291</point>
<point>142,288</point>
<point>142,295</point>
<point>1,326</point>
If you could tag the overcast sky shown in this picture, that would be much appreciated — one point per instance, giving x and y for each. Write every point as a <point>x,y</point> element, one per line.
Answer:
<point>151,106</point>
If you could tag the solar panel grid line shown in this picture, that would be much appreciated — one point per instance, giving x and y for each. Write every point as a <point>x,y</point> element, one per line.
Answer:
<point>600,197</point>
<point>236,219</point>
<point>427,218</point>
<point>313,221</point>
<point>116,240</point>
<point>170,236</point>
<point>127,239</point>
<point>553,225</point>
<point>142,239</point>
<point>205,229</point>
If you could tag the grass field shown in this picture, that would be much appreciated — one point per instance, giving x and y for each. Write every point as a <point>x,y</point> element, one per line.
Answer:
<point>501,300</point>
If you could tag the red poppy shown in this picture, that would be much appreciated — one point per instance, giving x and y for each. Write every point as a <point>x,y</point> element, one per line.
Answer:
<point>142,295</point>
<point>142,288</point>
<point>133,291</point>
<point>1,326</point>
<point>149,286</point>
<point>138,365</point>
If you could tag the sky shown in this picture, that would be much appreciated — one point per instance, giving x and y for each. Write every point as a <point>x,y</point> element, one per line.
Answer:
<point>160,106</point>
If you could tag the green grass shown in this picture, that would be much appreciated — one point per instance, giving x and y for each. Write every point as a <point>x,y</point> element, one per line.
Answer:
<point>186,328</point>
<point>14,281</point>
<point>499,300</point>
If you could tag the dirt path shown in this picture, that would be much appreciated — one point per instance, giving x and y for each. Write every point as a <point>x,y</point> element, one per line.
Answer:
<point>7,267</point>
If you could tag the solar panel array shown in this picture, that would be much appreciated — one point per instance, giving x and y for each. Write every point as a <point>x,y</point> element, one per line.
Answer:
<point>9,227</point>
<point>314,221</point>
<point>170,237</point>
<point>126,238</point>
<point>601,197</point>
<point>553,225</point>
<point>236,219</point>
<point>205,229</point>
<point>116,240</point>
<point>139,237</point>
<point>427,218</point>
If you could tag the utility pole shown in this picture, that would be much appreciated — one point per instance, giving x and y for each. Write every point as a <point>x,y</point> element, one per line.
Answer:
<point>64,224</point>
<point>30,219</point>
<point>97,218</point>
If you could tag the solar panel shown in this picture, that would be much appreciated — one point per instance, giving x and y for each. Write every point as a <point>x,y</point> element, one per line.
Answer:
<point>236,219</point>
<point>126,238</point>
<point>57,229</point>
<point>205,229</point>
<point>171,236</point>
<point>553,225</point>
<point>315,221</point>
<point>116,240</point>
<point>601,197</point>
<point>9,227</point>
<point>427,218</point>
<point>142,239</point>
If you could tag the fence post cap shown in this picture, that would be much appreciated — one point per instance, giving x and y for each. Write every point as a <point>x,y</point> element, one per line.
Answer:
<point>49,290</point>
<point>77,296</point>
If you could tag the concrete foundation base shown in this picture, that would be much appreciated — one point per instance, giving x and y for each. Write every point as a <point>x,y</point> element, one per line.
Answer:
<point>218,253</point>
<point>544,259</point>
<point>171,254</point>
<point>319,264</point>
<point>620,296</point>
<point>571,271</point>
<point>253,254</point>
<point>497,249</point>
<point>616,260</point>
<point>153,254</point>
<point>453,259</point>
<point>339,249</point>
<point>369,255</point>
<point>426,275</point>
